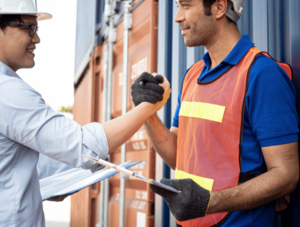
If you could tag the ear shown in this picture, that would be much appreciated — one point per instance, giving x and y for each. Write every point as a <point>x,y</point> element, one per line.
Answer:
<point>219,9</point>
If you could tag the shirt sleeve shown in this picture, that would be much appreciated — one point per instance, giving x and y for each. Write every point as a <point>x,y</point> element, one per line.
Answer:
<point>47,167</point>
<point>271,104</point>
<point>176,115</point>
<point>27,120</point>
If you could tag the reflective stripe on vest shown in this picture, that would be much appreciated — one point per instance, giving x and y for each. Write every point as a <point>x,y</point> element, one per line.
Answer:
<point>210,129</point>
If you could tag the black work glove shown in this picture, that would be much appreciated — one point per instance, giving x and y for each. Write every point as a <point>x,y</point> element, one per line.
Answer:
<point>146,89</point>
<point>191,203</point>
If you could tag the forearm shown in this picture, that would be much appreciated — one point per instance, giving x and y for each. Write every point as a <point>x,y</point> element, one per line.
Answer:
<point>163,140</point>
<point>256,192</point>
<point>121,129</point>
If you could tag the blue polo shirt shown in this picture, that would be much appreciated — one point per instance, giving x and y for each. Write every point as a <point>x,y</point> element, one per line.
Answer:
<point>270,119</point>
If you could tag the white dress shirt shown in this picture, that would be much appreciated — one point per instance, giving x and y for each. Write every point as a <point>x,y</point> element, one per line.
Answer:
<point>29,127</point>
<point>48,167</point>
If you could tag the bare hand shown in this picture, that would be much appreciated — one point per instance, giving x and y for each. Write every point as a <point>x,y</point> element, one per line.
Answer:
<point>59,198</point>
<point>166,95</point>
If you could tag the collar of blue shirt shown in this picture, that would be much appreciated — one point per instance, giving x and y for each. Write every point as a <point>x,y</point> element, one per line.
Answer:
<point>237,53</point>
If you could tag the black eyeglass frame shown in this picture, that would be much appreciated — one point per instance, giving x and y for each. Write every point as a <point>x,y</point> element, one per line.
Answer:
<point>32,27</point>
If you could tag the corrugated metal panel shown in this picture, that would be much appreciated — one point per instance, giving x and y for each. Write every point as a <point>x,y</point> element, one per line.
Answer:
<point>88,106</point>
<point>164,66</point>
<point>118,18</point>
<point>85,34</point>
<point>84,202</point>
<point>142,56</point>
<point>272,25</point>
<point>99,73</point>
<point>80,211</point>
<point>84,98</point>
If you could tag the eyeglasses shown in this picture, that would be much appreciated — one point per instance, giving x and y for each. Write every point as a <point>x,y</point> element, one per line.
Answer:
<point>32,27</point>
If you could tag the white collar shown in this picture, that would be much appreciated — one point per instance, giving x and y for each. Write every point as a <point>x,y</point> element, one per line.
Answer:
<point>6,70</point>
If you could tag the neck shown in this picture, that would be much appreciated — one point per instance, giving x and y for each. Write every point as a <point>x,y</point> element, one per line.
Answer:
<point>4,61</point>
<point>222,44</point>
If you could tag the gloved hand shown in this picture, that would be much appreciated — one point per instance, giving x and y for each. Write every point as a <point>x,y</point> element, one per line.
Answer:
<point>146,89</point>
<point>191,203</point>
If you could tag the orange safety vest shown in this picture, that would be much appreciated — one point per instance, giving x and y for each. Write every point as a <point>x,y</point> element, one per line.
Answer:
<point>210,131</point>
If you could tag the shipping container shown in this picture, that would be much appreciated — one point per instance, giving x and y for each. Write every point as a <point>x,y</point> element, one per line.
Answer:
<point>85,202</point>
<point>89,94</point>
<point>156,44</point>
<point>85,34</point>
<point>139,199</point>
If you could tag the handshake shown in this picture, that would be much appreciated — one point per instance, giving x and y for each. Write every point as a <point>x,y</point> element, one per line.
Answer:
<point>149,88</point>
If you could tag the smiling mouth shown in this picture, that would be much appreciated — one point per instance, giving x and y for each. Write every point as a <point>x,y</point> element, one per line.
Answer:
<point>31,51</point>
<point>183,31</point>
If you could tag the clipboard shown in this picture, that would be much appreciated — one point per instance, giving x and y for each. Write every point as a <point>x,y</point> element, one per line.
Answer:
<point>75,179</point>
<point>133,174</point>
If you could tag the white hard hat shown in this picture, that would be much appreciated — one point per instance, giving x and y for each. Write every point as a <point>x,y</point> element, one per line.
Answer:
<point>22,7</point>
<point>235,9</point>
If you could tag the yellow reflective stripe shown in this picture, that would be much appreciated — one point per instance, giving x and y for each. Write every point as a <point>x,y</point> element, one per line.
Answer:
<point>203,182</point>
<point>202,110</point>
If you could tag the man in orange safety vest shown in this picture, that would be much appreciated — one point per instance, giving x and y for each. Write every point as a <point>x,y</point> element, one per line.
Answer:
<point>234,138</point>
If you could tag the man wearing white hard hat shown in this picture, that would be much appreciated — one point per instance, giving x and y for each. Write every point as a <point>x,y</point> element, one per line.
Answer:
<point>234,138</point>
<point>29,127</point>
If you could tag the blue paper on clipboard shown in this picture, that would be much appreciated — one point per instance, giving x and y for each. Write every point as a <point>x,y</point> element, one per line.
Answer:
<point>74,180</point>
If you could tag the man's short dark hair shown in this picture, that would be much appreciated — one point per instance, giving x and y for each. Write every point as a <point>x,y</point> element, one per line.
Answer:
<point>5,19</point>
<point>207,8</point>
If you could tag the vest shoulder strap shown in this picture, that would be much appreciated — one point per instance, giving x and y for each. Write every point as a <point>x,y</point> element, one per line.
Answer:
<point>286,67</point>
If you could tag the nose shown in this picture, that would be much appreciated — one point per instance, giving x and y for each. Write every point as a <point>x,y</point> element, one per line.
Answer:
<point>179,17</point>
<point>36,38</point>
